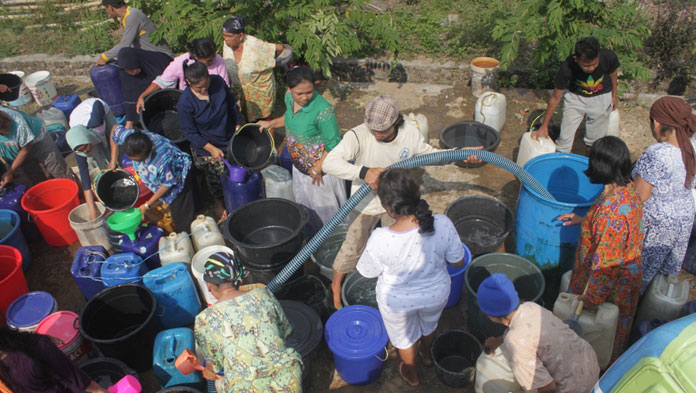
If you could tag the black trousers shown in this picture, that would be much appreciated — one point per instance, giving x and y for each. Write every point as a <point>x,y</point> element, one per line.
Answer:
<point>183,207</point>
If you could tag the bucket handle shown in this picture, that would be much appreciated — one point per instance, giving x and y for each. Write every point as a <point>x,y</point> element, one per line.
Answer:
<point>386,355</point>
<point>76,324</point>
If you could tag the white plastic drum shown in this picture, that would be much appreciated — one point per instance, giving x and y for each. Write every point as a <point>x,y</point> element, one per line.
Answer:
<point>41,87</point>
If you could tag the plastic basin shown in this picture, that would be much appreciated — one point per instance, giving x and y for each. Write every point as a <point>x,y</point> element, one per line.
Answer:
<point>454,354</point>
<point>49,203</point>
<point>250,148</point>
<point>469,134</point>
<point>483,223</point>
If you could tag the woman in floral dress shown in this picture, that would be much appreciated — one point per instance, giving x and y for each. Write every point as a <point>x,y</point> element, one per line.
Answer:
<point>608,259</point>
<point>311,131</point>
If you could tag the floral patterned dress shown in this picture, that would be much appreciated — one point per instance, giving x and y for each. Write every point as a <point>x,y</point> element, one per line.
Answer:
<point>609,256</point>
<point>243,337</point>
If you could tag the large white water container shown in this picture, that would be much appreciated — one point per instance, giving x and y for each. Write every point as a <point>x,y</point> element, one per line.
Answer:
<point>664,299</point>
<point>598,327</point>
<point>490,110</point>
<point>277,182</point>
<point>41,87</point>
<point>25,96</point>
<point>205,232</point>
<point>530,148</point>
<point>421,122</point>
<point>54,119</point>
<point>176,247</point>
<point>614,123</point>
<point>197,268</point>
<point>494,375</point>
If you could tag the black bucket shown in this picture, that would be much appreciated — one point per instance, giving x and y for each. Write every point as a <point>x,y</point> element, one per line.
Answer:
<point>267,233</point>
<point>483,223</point>
<point>455,353</point>
<point>256,274</point>
<point>359,290</point>
<point>525,276</point>
<point>179,389</point>
<point>469,134</point>
<point>307,289</point>
<point>13,83</point>
<point>160,115</point>
<point>106,371</point>
<point>307,332</point>
<point>250,148</point>
<point>113,236</point>
<point>121,322</point>
<point>117,189</point>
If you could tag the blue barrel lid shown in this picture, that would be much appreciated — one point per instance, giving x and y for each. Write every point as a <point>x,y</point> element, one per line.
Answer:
<point>356,332</point>
<point>30,308</point>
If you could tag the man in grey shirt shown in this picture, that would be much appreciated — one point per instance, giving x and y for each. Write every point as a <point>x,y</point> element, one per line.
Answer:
<point>136,33</point>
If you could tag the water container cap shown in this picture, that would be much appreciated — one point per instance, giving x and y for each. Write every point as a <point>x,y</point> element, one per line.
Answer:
<point>307,329</point>
<point>356,332</point>
<point>30,308</point>
<point>62,325</point>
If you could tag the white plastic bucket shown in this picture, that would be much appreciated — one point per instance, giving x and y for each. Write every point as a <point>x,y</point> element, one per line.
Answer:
<point>197,264</point>
<point>490,109</point>
<point>41,87</point>
<point>89,232</point>
<point>25,96</point>
<point>483,74</point>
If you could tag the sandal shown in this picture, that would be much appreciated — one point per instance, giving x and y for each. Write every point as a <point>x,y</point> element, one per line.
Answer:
<point>426,363</point>
<point>401,374</point>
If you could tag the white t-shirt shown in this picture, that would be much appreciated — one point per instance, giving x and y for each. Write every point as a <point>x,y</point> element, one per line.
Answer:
<point>86,115</point>
<point>411,266</point>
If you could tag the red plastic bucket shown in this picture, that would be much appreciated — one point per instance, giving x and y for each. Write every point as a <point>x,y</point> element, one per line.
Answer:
<point>63,325</point>
<point>49,203</point>
<point>12,281</point>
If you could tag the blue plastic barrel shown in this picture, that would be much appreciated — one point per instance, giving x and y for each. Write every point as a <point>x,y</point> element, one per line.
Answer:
<point>86,269</point>
<point>108,85</point>
<point>541,238</point>
<point>123,268</point>
<point>28,310</point>
<point>169,344</point>
<point>357,339</point>
<point>10,197</point>
<point>11,235</point>
<point>286,159</point>
<point>146,244</point>
<point>239,194</point>
<point>67,103</point>
<point>457,278</point>
<point>175,292</point>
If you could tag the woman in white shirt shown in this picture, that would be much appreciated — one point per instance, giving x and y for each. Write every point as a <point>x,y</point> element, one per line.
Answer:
<point>410,260</point>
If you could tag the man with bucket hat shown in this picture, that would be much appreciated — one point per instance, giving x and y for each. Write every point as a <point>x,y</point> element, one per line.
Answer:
<point>543,353</point>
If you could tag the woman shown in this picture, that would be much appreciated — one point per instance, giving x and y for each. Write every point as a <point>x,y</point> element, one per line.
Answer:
<point>410,259</point>
<point>664,177</point>
<point>607,265</point>
<point>31,363</point>
<point>209,116</point>
<point>242,334</point>
<point>311,131</point>
<point>163,168</point>
<point>139,68</point>
<point>91,151</point>
<point>202,50</point>
<point>94,114</point>
<point>24,140</point>
<point>250,63</point>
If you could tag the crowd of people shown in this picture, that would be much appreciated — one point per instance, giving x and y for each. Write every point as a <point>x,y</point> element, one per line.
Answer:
<point>637,227</point>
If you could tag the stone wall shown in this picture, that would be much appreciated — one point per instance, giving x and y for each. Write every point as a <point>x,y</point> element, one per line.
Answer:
<point>57,65</point>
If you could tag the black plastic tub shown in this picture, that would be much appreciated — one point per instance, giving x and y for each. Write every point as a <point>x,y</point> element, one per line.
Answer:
<point>469,134</point>
<point>455,353</point>
<point>106,371</point>
<point>13,83</point>
<point>307,332</point>
<point>160,115</point>
<point>117,189</point>
<point>121,322</point>
<point>251,148</point>
<point>483,223</point>
<point>359,290</point>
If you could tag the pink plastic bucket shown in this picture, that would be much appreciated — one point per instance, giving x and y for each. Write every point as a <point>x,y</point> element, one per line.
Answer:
<point>63,325</point>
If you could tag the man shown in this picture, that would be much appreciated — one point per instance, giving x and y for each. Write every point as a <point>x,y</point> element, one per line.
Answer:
<point>590,76</point>
<point>543,352</point>
<point>136,33</point>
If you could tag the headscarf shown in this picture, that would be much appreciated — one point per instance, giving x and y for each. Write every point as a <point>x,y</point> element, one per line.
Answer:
<point>675,112</point>
<point>234,25</point>
<point>222,268</point>
<point>80,135</point>
<point>151,65</point>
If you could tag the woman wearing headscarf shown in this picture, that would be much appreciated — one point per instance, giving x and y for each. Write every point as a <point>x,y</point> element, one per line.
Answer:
<point>664,176</point>
<point>139,68</point>
<point>90,148</point>
<point>242,334</point>
<point>250,63</point>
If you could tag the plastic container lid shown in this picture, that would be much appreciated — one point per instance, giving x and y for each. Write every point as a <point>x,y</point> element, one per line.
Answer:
<point>307,329</point>
<point>356,332</point>
<point>30,309</point>
<point>62,325</point>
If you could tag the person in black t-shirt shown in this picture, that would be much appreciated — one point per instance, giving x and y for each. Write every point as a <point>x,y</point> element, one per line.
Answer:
<point>590,76</point>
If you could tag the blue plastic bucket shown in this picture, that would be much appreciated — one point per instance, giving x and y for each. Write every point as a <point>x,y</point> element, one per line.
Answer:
<point>175,292</point>
<point>358,340</point>
<point>10,197</point>
<point>11,235</point>
<point>25,313</point>
<point>457,278</point>
<point>540,237</point>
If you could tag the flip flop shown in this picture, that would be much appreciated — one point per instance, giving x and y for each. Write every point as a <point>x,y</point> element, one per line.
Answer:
<point>401,374</point>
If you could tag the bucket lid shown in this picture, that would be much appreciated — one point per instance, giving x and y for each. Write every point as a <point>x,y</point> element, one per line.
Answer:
<point>30,308</point>
<point>11,194</point>
<point>61,325</point>
<point>306,327</point>
<point>356,332</point>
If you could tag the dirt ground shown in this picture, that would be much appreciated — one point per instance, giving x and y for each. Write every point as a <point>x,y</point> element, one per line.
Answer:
<point>443,105</point>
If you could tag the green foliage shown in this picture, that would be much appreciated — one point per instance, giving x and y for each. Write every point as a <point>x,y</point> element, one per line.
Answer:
<point>545,31</point>
<point>318,30</point>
